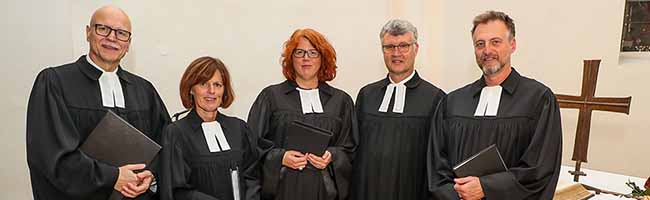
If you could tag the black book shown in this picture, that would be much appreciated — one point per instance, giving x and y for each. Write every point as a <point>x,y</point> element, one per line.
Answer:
<point>307,138</point>
<point>117,143</point>
<point>487,161</point>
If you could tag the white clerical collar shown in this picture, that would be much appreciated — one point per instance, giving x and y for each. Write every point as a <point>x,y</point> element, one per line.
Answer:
<point>400,95</point>
<point>214,136</point>
<point>110,86</point>
<point>407,79</point>
<point>310,101</point>
<point>488,104</point>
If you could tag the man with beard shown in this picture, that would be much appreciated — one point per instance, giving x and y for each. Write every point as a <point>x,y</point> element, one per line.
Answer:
<point>67,102</point>
<point>518,114</point>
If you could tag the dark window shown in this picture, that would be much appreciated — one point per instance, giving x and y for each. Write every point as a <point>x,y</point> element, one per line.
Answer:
<point>636,26</point>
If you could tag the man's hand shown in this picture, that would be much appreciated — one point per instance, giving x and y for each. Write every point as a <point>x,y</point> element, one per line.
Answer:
<point>469,188</point>
<point>294,160</point>
<point>320,162</point>
<point>132,190</point>
<point>127,176</point>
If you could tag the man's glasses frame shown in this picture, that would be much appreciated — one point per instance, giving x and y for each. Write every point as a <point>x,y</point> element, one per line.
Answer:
<point>402,47</point>
<point>105,31</point>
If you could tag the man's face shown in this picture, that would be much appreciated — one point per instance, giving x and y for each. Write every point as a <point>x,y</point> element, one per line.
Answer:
<point>108,49</point>
<point>493,46</point>
<point>399,53</point>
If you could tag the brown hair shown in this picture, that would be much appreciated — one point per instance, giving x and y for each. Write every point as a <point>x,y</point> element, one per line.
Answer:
<point>327,70</point>
<point>201,70</point>
<point>495,15</point>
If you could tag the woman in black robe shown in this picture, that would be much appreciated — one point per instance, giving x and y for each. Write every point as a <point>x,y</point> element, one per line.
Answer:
<point>208,155</point>
<point>308,61</point>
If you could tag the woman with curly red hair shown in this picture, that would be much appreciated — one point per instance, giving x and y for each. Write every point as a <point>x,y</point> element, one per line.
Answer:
<point>308,62</point>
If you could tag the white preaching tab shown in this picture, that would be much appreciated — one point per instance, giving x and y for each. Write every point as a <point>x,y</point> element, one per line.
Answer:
<point>310,101</point>
<point>400,95</point>
<point>488,104</point>
<point>110,87</point>
<point>214,136</point>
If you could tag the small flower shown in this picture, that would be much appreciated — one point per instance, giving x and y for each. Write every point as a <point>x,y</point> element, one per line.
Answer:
<point>636,190</point>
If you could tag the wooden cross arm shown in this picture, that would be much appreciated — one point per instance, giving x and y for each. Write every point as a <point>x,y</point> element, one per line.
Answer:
<point>612,104</point>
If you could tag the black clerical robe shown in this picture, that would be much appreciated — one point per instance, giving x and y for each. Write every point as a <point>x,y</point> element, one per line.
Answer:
<point>190,171</point>
<point>526,130</point>
<point>390,161</point>
<point>65,105</point>
<point>273,110</point>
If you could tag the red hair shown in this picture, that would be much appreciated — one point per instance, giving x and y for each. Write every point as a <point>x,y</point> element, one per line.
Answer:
<point>327,70</point>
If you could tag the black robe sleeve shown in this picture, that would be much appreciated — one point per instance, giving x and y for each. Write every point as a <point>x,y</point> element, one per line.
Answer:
<point>540,163</point>
<point>343,150</point>
<point>159,116</point>
<point>271,161</point>
<point>253,149</point>
<point>441,178</point>
<point>53,141</point>
<point>175,172</point>
<point>536,174</point>
<point>159,120</point>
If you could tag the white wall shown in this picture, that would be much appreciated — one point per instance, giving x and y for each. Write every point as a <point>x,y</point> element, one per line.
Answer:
<point>553,37</point>
<point>32,37</point>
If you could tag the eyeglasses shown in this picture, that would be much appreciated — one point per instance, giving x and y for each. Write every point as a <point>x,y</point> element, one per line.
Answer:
<point>105,31</point>
<point>402,47</point>
<point>300,53</point>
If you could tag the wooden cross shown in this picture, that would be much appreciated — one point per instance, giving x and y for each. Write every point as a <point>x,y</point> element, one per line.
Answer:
<point>586,103</point>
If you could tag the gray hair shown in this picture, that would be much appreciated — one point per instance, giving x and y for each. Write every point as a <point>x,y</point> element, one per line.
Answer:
<point>397,27</point>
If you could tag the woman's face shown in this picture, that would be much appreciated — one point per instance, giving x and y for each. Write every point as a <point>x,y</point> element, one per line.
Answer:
<point>306,60</point>
<point>208,95</point>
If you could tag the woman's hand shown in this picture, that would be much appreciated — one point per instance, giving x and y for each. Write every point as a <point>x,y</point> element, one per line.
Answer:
<point>320,162</point>
<point>294,160</point>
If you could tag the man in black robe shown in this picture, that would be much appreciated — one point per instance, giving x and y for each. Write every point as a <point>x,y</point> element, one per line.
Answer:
<point>67,102</point>
<point>394,115</point>
<point>518,114</point>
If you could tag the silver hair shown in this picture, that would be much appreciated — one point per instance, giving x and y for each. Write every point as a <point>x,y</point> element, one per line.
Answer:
<point>397,27</point>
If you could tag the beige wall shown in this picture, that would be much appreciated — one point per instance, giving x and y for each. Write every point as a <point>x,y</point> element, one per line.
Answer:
<point>248,36</point>
<point>32,37</point>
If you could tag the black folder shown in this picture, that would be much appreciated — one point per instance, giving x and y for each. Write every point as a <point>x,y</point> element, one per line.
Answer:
<point>487,161</point>
<point>117,143</point>
<point>307,138</point>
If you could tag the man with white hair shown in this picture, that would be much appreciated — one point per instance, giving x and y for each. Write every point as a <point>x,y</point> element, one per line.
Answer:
<point>68,101</point>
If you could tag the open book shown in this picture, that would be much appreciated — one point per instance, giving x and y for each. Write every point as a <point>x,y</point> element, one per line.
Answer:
<point>571,191</point>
